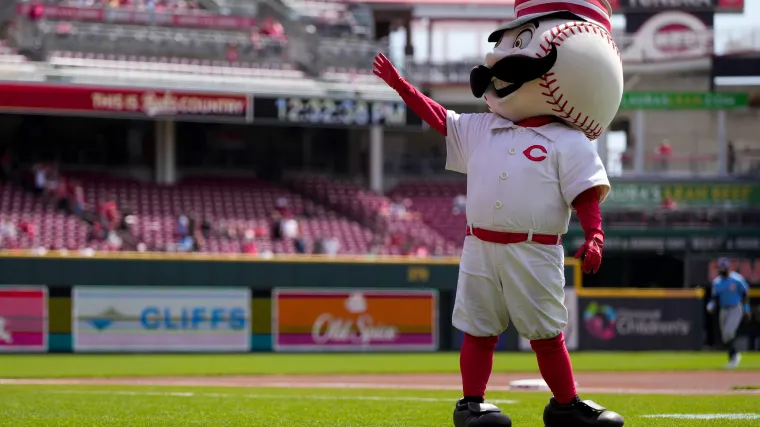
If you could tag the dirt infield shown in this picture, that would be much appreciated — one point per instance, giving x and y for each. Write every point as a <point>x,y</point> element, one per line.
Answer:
<point>701,382</point>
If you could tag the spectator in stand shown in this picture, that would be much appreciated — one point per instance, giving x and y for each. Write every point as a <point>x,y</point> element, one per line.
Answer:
<point>669,204</point>
<point>384,209</point>
<point>460,205</point>
<point>398,208</point>
<point>273,29</point>
<point>665,151</point>
<point>319,247</point>
<point>731,160</point>
<point>109,213</point>
<point>114,240</point>
<point>229,229</point>
<point>52,178</point>
<point>185,244</point>
<point>276,226</point>
<point>97,232</point>
<point>300,246</point>
<point>183,225</point>
<point>194,229</point>
<point>76,199</point>
<point>7,229</point>
<point>28,227</point>
<point>332,246</point>
<point>61,194</point>
<point>40,178</point>
<point>421,251</point>
<point>206,227</point>
<point>282,205</point>
<point>249,243</point>
<point>289,226</point>
<point>232,53</point>
<point>199,243</point>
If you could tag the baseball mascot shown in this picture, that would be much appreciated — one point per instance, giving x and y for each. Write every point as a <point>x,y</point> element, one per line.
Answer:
<point>553,82</point>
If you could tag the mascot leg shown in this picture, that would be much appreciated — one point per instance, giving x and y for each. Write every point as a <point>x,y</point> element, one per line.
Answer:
<point>566,409</point>
<point>481,313</point>
<point>475,365</point>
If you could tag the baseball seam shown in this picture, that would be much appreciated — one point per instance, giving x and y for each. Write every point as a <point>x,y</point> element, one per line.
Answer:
<point>552,88</point>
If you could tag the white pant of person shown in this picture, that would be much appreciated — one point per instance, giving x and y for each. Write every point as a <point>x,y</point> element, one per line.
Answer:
<point>523,282</point>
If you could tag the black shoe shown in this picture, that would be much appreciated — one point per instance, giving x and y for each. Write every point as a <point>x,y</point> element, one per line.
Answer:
<point>580,414</point>
<point>471,414</point>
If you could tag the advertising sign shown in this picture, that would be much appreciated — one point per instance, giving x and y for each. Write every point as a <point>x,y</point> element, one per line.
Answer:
<point>675,240</point>
<point>571,329</point>
<point>354,320</point>
<point>718,6</point>
<point>23,319</point>
<point>139,103</point>
<point>326,111</point>
<point>715,194</point>
<point>161,319</point>
<point>666,36</point>
<point>141,17</point>
<point>641,324</point>
<point>684,101</point>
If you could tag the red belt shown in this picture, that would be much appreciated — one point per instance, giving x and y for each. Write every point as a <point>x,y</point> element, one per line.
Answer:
<point>505,238</point>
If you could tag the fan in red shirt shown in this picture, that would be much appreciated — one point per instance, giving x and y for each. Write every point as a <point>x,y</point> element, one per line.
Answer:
<point>109,213</point>
<point>27,227</point>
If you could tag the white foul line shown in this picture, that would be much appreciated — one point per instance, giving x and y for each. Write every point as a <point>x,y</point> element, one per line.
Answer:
<point>706,416</point>
<point>269,396</point>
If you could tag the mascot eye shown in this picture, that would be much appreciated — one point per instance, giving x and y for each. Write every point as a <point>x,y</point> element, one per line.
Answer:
<point>523,39</point>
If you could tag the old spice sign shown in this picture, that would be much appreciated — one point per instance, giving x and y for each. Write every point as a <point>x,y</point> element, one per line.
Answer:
<point>354,320</point>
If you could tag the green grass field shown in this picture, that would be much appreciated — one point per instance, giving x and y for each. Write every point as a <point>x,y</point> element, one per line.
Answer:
<point>122,405</point>
<point>89,365</point>
<point>78,406</point>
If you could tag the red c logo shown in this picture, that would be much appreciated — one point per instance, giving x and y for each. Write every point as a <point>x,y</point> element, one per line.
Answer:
<point>528,154</point>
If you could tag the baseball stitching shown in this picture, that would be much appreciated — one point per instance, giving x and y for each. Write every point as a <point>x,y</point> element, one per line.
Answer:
<point>559,34</point>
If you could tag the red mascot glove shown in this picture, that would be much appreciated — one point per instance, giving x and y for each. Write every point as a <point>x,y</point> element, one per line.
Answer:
<point>386,71</point>
<point>433,113</point>
<point>587,207</point>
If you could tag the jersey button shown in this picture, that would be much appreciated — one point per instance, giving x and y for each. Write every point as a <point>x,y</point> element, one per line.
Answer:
<point>504,175</point>
<point>497,205</point>
<point>512,151</point>
<point>520,129</point>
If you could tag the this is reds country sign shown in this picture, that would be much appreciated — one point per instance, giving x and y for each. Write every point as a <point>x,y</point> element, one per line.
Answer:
<point>47,98</point>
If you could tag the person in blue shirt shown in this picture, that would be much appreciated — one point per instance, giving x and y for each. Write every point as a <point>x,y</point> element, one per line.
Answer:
<point>730,292</point>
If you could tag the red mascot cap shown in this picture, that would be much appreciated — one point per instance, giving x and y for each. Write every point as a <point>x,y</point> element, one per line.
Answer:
<point>596,11</point>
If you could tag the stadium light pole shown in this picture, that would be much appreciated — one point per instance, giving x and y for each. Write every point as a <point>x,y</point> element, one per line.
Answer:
<point>638,160</point>
<point>376,160</point>
<point>722,144</point>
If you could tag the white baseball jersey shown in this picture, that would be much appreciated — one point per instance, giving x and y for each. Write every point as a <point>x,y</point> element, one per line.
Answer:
<point>521,179</point>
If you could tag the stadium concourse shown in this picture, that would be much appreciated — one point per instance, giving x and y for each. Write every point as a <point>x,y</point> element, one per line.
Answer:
<point>211,37</point>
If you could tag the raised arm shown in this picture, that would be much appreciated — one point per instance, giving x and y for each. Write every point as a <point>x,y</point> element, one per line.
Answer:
<point>433,113</point>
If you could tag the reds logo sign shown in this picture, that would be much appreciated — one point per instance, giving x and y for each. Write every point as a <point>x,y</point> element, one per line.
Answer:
<point>535,149</point>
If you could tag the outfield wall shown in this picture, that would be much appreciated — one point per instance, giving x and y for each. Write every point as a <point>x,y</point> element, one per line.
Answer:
<point>142,303</point>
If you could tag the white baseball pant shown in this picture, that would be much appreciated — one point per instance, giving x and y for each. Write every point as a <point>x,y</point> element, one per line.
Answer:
<point>730,320</point>
<point>523,282</point>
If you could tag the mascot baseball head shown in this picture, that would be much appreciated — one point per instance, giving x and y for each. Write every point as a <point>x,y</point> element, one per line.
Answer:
<point>556,58</point>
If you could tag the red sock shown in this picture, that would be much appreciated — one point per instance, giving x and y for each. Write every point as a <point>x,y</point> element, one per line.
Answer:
<point>475,364</point>
<point>556,368</point>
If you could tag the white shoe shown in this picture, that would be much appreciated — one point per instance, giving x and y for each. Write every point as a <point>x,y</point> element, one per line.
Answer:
<point>734,362</point>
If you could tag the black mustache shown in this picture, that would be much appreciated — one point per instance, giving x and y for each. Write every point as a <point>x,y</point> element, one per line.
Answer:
<point>515,69</point>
